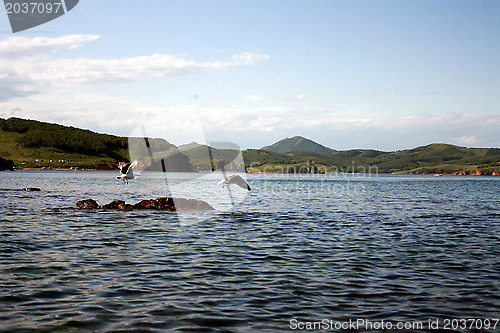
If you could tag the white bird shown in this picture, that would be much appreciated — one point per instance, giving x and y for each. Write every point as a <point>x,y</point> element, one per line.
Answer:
<point>126,172</point>
<point>236,180</point>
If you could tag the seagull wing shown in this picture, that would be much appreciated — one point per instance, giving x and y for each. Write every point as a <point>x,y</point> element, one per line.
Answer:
<point>130,173</point>
<point>124,168</point>
<point>238,180</point>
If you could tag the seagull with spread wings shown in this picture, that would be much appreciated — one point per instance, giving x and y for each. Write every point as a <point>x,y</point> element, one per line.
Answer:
<point>236,180</point>
<point>126,172</point>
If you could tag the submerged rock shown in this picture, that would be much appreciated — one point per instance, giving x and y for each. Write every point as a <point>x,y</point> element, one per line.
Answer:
<point>167,204</point>
<point>117,204</point>
<point>88,204</point>
<point>31,189</point>
<point>158,204</point>
<point>192,204</point>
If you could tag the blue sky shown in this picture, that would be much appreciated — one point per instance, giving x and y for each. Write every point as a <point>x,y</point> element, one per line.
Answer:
<point>386,75</point>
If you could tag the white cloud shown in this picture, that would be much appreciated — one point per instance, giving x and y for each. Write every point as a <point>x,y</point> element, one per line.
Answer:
<point>413,131</point>
<point>245,59</point>
<point>31,71</point>
<point>28,66</point>
<point>251,127</point>
<point>467,140</point>
<point>106,114</point>
<point>337,130</point>
<point>30,47</point>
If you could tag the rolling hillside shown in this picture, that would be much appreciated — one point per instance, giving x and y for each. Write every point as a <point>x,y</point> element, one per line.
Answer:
<point>433,158</point>
<point>34,144</point>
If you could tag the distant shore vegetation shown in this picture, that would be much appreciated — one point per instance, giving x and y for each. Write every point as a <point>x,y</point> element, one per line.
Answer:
<point>34,144</point>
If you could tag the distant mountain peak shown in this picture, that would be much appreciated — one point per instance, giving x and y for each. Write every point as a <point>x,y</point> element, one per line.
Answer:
<point>297,143</point>
<point>191,145</point>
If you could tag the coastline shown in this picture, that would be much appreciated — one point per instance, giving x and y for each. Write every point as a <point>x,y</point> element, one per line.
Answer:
<point>478,172</point>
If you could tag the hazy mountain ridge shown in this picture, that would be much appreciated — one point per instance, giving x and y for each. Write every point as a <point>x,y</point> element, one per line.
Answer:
<point>30,143</point>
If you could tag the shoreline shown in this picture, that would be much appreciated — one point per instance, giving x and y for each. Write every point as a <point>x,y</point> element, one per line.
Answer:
<point>264,172</point>
<point>63,169</point>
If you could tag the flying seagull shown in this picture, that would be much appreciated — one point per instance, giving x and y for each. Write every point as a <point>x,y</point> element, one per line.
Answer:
<point>126,172</point>
<point>236,180</point>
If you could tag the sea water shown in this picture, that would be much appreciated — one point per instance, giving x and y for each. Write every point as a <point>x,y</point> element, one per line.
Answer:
<point>296,252</point>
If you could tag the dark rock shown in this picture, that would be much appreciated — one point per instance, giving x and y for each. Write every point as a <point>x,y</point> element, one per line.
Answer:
<point>118,205</point>
<point>31,189</point>
<point>166,204</point>
<point>173,204</point>
<point>88,204</point>
<point>158,204</point>
<point>191,204</point>
<point>28,189</point>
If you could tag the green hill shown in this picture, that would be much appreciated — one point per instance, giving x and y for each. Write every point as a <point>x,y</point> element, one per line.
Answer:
<point>32,143</point>
<point>297,143</point>
<point>434,158</point>
<point>35,144</point>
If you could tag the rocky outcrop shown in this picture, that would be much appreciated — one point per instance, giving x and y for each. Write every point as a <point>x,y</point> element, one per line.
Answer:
<point>166,204</point>
<point>27,189</point>
<point>479,172</point>
<point>158,204</point>
<point>486,172</point>
<point>88,204</point>
<point>31,189</point>
<point>118,205</point>
<point>182,204</point>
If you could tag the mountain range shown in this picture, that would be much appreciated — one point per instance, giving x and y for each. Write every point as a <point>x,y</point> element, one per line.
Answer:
<point>35,144</point>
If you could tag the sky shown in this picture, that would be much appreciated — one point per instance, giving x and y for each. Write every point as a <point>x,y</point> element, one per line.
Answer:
<point>385,75</point>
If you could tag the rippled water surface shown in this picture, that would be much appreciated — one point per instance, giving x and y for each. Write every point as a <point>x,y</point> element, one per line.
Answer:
<point>298,248</point>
